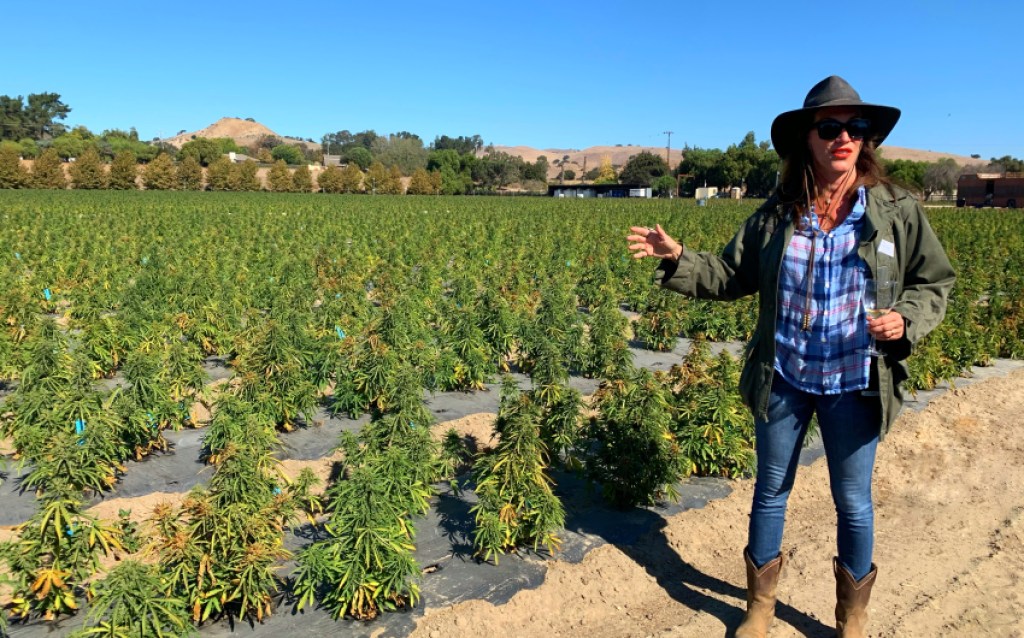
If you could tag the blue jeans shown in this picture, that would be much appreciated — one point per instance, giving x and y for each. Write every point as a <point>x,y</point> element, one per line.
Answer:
<point>849,424</point>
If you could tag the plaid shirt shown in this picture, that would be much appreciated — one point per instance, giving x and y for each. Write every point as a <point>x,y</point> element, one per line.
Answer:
<point>829,358</point>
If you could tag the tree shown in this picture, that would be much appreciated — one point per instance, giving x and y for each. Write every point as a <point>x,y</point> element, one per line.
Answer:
<point>376,179</point>
<point>248,178</point>
<point>643,168</point>
<point>190,173</point>
<point>403,150</point>
<point>218,174</point>
<point>463,145</point>
<point>42,110</point>
<point>279,180</point>
<point>702,167</point>
<point>330,180</point>
<point>12,173</point>
<point>88,172</point>
<point>606,174</point>
<point>906,173</point>
<point>302,180</point>
<point>664,186</point>
<point>34,120</point>
<point>203,149</point>
<point>264,157</point>
<point>48,171</point>
<point>159,174</point>
<point>29,148</point>
<point>421,183</point>
<point>351,179</point>
<point>123,172</point>
<point>497,169</point>
<point>941,176</point>
<point>393,184</point>
<point>537,171</point>
<point>359,156</point>
<point>1008,164</point>
<point>290,153</point>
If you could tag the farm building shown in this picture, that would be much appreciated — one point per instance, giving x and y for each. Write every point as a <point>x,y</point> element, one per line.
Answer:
<point>599,190</point>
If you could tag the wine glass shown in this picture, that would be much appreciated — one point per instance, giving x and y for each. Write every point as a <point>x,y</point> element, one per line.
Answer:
<point>878,299</point>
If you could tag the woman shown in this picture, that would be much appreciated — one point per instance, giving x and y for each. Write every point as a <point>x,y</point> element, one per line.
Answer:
<point>810,350</point>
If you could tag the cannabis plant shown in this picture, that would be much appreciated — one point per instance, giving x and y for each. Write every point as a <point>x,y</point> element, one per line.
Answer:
<point>635,456</point>
<point>517,506</point>
<point>130,601</point>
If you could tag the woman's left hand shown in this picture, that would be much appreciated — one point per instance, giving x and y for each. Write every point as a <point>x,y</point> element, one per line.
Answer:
<point>888,327</point>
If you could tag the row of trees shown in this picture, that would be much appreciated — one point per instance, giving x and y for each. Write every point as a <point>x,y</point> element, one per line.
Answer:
<point>90,173</point>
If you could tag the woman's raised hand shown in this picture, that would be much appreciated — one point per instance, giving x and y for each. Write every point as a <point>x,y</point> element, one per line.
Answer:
<point>653,242</point>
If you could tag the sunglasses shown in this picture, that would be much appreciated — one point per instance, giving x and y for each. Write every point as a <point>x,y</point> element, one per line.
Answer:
<point>857,127</point>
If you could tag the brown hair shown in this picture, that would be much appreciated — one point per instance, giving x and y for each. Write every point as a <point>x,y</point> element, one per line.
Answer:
<point>797,188</point>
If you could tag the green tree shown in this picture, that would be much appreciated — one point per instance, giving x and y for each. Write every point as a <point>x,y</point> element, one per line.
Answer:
<point>906,173</point>
<point>330,180</point>
<point>123,171</point>
<point>29,148</point>
<point>279,180</point>
<point>42,110</point>
<point>159,174</point>
<point>290,153</point>
<point>203,149</point>
<point>219,174</point>
<point>664,186</point>
<point>702,167</point>
<point>248,176</point>
<point>351,179</point>
<point>404,151</point>
<point>643,168</point>
<point>359,156</point>
<point>941,176</point>
<point>462,145</point>
<point>48,171</point>
<point>302,180</point>
<point>12,173</point>
<point>88,172</point>
<point>264,157</point>
<point>190,173</point>
<point>421,183</point>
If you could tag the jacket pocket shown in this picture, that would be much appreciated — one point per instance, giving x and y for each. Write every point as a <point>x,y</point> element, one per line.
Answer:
<point>750,374</point>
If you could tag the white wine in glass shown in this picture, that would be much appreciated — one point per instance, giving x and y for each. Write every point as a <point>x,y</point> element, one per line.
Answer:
<point>879,297</point>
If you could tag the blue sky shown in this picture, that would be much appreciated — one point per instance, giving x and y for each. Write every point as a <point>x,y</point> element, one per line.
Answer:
<point>542,74</point>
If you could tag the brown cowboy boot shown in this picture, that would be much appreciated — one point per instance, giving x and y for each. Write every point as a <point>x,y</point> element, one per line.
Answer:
<point>852,599</point>
<point>761,586</point>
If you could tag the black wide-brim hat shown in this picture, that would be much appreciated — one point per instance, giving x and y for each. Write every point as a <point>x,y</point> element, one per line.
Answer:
<point>789,130</point>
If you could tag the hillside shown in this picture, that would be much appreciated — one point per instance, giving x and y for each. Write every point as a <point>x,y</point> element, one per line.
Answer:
<point>247,133</point>
<point>244,132</point>
<point>619,155</point>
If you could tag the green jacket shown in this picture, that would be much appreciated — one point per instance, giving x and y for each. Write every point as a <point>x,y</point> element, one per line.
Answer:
<point>896,232</point>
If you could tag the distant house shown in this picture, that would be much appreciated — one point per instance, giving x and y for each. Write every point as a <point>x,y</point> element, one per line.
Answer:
<point>584,191</point>
<point>332,160</point>
<point>239,158</point>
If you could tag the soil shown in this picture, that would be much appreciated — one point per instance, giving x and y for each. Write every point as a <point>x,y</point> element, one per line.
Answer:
<point>949,493</point>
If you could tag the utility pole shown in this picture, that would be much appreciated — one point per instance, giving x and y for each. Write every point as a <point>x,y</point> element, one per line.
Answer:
<point>668,148</point>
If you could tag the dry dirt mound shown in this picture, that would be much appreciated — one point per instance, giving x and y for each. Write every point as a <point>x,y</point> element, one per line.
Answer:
<point>244,132</point>
<point>950,547</point>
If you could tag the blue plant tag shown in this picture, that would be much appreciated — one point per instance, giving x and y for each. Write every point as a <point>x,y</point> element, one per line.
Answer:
<point>276,490</point>
<point>17,255</point>
<point>568,262</point>
<point>412,425</point>
<point>145,260</point>
<point>79,426</point>
<point>70,531</point>
<point>339,332</point>
<point>152,420</point>
<point>46,293</point>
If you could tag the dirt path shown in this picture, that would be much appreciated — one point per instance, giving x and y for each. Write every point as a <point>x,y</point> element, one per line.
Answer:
<point>949,492</point>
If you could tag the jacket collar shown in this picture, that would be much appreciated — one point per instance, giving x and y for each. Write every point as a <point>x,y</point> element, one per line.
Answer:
<point>881,209</point>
